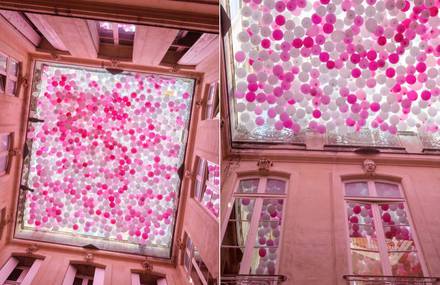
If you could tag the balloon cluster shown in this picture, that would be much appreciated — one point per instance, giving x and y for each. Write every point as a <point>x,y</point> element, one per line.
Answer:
<point>211,196</point>
<point>337,65</point>
<point>104,162</point>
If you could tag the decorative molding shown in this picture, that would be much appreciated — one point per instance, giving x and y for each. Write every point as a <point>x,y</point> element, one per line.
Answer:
<point>264,165</point>
<point>88,257</point>
<point>146,265</point>
<point>188,174</point>
<point>369,166</point>
<point>180,244</point>
<point>32,248</point>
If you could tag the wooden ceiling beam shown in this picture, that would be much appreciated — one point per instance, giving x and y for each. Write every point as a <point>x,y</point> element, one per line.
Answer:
<point>205,45</point>
<point>151,44</point>
<point>17,20</point>
<point>69,34</point>
<point>170,14</point>
<point>46,29</point>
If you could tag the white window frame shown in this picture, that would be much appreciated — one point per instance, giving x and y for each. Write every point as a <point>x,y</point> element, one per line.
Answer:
<point>192,261</point>
<point>374,200</point>
<point>10,76</point>
<point>71,274</point>
<point>211,99</point>
<point>7,153</point>
<point>26,276</point>
<point>259,196</point>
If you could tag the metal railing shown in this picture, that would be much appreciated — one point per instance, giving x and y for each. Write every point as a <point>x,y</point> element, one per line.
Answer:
<point>252,280</point>
<point>390,280</point>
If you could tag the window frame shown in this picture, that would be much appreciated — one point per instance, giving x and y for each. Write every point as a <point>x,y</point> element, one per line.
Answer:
<point>193,262</point>
<point>10,76</point>
<point>259,196</point>
<point>374,200</point>
<point>7,153</point>
<point>212,101</point>
<point>201,176</point>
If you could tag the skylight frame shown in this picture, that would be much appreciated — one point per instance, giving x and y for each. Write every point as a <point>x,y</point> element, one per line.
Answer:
<point>112,246</point>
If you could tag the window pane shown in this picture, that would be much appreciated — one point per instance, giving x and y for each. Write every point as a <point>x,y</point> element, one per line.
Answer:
<point>248,186</point>
<point>13,67</point>
<point>239,222</point>
<point>393,214</point>
<point>366,262</point>
<point>276,186</point>
<point>387,190</point>
<point>356,189</point>
<point>233,243</point>
<point>399,238</point>
<point>267,240</point>
<point>77,281</point>
<point>361,226</point>
<point>3,163</point>
<point>3,63</point>
<point>15,274</point>
<point>405,264</point>
<point>4,142</point>
<point>11,87</point>
<point>211,195</point>
<point>2,83</point>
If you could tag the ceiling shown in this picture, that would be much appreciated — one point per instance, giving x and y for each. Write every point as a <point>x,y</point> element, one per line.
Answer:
<point>90,39</point>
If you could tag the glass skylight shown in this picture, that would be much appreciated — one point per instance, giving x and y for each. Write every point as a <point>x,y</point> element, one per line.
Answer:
<point>128,28</point>
<point>103,165</point>
<point>332,66</point>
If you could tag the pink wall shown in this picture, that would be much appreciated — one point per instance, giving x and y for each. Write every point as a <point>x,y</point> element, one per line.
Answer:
<point>314,246</point>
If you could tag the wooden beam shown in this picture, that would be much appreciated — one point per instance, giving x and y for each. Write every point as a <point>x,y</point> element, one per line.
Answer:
<point>170,14</point>
<point>115,33</point>
<point>118,52</point>
<point>94,32</point>
<point>45,28</point>
<point>151,44</point>
<point>19,22</point>
<point>205,45</point>
<point>69,34</point>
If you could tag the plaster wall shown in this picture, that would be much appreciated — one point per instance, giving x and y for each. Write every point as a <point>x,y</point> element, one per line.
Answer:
<point>314,242</point>
<point>198,223</point>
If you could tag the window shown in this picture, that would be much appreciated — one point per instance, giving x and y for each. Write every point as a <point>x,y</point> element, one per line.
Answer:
<point>382,240</point>
<point>194,265</point>
<point>5,147</point>
<point>207,185</point>
<point>9,70</point>
<point>212,104</point>
<point>252,238</point>
<point>82,274</point>
<point>19,270</point>
<point>150,278</point>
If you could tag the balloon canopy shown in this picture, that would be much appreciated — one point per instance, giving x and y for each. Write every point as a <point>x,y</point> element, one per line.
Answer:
<point>334,66</point>
<point>104,163</point>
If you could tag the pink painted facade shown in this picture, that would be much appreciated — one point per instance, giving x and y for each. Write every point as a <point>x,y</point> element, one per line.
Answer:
<point>53,263</point>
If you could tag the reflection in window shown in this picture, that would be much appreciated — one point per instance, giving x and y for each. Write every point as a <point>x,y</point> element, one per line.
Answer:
<point>251,241</point>
<point>207,185</point>
<point>381,236</point>
<point>194,265</point>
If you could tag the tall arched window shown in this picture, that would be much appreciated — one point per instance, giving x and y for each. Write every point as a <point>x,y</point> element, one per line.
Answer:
<point>251,242</point>
<point>381,236</point>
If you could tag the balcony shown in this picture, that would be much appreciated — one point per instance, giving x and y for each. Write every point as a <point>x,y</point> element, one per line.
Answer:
<point>253,279</point>
<point>390,280</point>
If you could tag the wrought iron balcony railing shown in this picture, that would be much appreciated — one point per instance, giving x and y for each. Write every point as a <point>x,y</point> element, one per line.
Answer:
<point>253,280</point>
<point>390,280</point>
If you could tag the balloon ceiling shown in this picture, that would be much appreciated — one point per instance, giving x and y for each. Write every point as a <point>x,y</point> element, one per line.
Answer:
<point>104,162</point>
<point>336,65</point>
